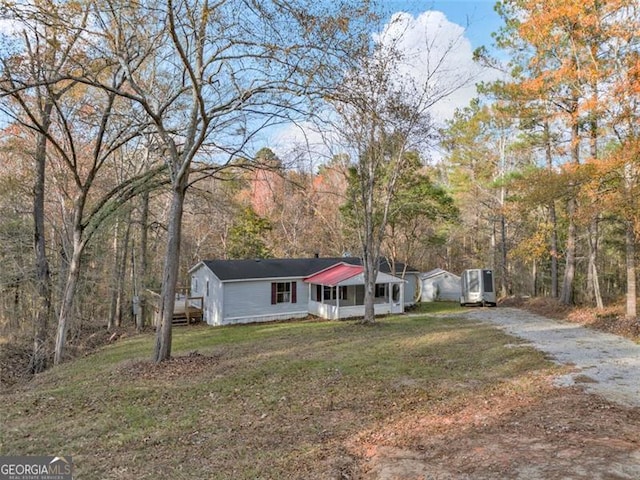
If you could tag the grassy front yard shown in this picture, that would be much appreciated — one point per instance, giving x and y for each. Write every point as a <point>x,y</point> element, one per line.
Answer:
<point>275,401</point>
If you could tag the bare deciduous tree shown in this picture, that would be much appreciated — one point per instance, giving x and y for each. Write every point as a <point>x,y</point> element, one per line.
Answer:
<point>220,73</point>
<point>382,113</point>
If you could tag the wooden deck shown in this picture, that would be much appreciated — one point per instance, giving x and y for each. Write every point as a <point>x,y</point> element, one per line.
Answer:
<point>187,309</point>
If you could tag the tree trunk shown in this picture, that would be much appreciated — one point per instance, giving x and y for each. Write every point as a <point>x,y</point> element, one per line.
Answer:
<point>593,287</point>
<point>505,287</point>
<point>66,309</point>
<point>370,265</point>
<point>370,242</point>
<point>120,255</point>
<point>122,271</point>
<point>114,275</point>
<point>170,274</point>
<point>630,254</point>
<point>566,296</point>
<point>42,305</point>
<point>554,249</point>
<point>570,268</point>
<point>142,269</point>
<point>72,276</point>
<point>370,274</point>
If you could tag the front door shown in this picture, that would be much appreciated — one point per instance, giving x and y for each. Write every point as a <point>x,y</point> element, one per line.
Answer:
<point>397,302</point>
<point>359,295</point>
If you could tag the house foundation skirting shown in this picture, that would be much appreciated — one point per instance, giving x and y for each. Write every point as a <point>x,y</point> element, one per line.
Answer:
<point>333,312</point>
<point>265,318</point>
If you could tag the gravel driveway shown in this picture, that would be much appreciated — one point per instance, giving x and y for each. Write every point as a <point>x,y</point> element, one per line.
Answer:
<point>606,364</point>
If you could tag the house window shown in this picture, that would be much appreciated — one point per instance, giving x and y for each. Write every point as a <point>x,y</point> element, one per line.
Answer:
<point>330,293</point>
<point>487,281</point>
<point>283,292</point>
<point>381,290</point>
<point>194,284</point>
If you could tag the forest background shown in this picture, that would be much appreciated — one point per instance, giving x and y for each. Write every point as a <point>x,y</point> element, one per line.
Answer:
<point>107,155</point>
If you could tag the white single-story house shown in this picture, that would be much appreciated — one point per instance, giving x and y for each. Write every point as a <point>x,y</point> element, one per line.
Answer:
<point>439,285</point>
<point>246,291</point>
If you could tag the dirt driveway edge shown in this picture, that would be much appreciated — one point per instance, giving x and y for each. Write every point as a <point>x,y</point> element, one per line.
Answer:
<point>586,430</point>
<point>605,364</point>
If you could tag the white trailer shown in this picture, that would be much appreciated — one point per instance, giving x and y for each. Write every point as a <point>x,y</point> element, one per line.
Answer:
<point>477,287</point>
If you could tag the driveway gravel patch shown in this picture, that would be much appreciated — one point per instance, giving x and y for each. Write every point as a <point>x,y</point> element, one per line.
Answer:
<point>586,429</point>
<point>605,364</point>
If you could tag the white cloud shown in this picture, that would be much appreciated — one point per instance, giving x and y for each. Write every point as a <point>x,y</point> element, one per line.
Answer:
<point>435,53</point>
<point>8,27</point>
<point>304,145</point>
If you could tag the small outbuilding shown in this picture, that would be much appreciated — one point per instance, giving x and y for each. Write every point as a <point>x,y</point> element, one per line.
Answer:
<point>439,285</point>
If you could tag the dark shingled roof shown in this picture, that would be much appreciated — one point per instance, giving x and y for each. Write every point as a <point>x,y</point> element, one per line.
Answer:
<point>283,267</point>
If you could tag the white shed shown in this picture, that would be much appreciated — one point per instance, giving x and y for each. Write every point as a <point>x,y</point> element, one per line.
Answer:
<point>439,285</point>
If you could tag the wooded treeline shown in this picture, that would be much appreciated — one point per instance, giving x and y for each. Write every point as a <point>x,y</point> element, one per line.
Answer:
<point>129,153</point>
<point>110,104</point>
<point>550,151</point>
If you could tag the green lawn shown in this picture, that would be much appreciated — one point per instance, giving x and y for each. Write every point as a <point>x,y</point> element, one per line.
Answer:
<point>272,401</point>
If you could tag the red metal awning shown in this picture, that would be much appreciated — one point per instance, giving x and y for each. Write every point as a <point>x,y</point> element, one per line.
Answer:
<point>332,276</point>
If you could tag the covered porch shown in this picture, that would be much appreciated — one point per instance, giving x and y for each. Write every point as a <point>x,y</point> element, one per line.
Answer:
<point>338,292</point>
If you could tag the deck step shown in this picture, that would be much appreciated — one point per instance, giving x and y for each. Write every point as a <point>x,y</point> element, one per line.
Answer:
<point>182,320</point>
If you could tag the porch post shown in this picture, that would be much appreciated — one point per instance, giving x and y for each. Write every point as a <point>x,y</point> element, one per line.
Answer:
<point>337,302</point>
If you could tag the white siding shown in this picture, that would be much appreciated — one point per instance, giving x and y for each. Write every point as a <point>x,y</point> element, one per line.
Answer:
<point>411,288</point>
<point>250,301</point>
<point>215,302</point>
<point>205,284</point>
<point>444,286</point>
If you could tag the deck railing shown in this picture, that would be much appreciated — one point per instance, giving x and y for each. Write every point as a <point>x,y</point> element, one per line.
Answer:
<point>187,309</point>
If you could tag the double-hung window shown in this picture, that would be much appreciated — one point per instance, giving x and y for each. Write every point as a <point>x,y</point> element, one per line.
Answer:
<point>283,292</point>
